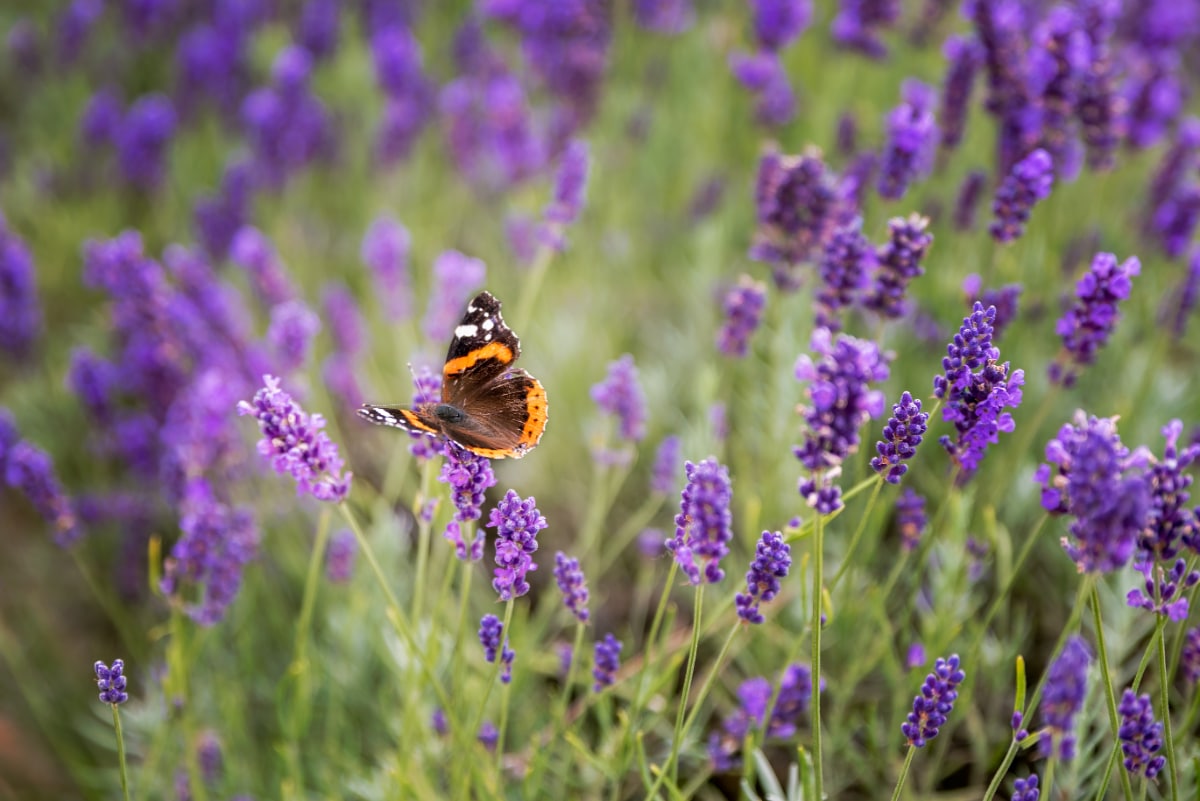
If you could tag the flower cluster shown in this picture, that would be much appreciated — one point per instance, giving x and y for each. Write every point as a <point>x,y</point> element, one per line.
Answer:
<point>1140,735</point>
<point>339,556</point>
<point>743,307</point>
<point>111,681</point>
<point>911,518</point>
<point>839,402</point>
<point>935,702</point>
<point>409,94</point>
<point>764,75</point>
<point>455,276</point>
<point>385,250</point>
<point>572,584</point>
<point>901,435</point>
<point>1056,66</point>
<point>795,694</point>
<point>1189,663</point>
<point>1164,590</point>
<point>620,395</point>
<point>911,139</point>
<point>294,443</point>
<point>1066,689</point>
<point>1088,324</point>
<point>772,559</point>
<point>1005,299</point>
<point>796,199</point>
<point>1026,789</point>
<point>976,389</point>
<point>1171,523</point>
<point>607,662</point>
<point>703,526</point>
<point>1028,183</point>
<point>491,630</point>
<point>666,466</point>
<point>29,470</point>
<point>845,263</point>
<point>1098,481</point>
<point>20,314</point>
<point>517,523</point>
<point>964,57</point>
<point>899,262</point>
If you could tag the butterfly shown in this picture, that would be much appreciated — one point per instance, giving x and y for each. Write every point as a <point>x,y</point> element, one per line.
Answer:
<point>488,406</point>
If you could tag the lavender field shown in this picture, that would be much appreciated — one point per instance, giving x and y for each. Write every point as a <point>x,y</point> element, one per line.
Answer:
<point>848,454</point>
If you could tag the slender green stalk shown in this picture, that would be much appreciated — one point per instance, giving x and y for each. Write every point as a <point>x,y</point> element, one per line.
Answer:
<point>533,285</point>
<point>541,754</point>
<point>1026,549</point>
<point>1113,719</point>
<point>908,758</point>
<point>693,650</point>
<point>1047,784</point>
<point>1164,685</point>
<point>120,751</point>
<point>712,675</point>
<point>424,534</point>
<point>848,559</point>
<point>299,669</point>
<point>818,567</point>
<point>629,530</point>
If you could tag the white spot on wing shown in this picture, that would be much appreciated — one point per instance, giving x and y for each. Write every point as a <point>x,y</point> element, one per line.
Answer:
<point>466,331</point>
<point>489,324</point>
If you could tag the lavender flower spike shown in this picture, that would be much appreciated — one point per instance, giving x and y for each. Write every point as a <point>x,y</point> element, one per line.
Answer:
<point>901,435</point>
<point>517,523</point>
<point>773,558</point>
<point>111,681</point>
<point>935,702</point>
<point>1140,735</point>
<point>294,442</point>
<point>899,263</point>
<point>29,470</point>
<point>796,199</point>
<point>1066,689</point>
<point>20,314</point>
<point>1028,183</point>
<point>619,394</point>
<point>1086,326</point>
<point>608,662</point>
<point>491,631</point>
<point>743,307</point>
<point>703,526</point>
<point>911,520</point>
<point>844,266</point>
<point>1026,789</point>
<point>573,585</point>
<point>911,138</point>
<point>1165,593</point>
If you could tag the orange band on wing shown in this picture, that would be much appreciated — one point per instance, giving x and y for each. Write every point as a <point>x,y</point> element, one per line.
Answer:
<point>488,453</point>
<point>492,350</point>
<point>537,408</point>
<point>411,418</point>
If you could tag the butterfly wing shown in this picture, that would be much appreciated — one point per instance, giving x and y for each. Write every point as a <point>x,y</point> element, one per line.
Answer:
<point>481,351</point>
<point>417,420</point>
<point>509,421</point>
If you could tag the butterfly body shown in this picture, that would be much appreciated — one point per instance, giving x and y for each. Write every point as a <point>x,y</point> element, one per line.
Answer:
<point>487,406</point>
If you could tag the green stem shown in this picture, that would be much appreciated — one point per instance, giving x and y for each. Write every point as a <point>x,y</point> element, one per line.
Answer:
<point>1047,783</point>
<point>818,567</point>
<point>693,651</point>
<point>712,675</point>
<point>424,532</point>
<point>299,667</point>
<point>1113,719</point>
<point>560,715</point>
<point>1164,688</point>
<point>121,751</point>
<point>1026,549</point>
<point>633,526</point>
<point>908,758</point>
<point>847,559</point>
<point>533,285</point>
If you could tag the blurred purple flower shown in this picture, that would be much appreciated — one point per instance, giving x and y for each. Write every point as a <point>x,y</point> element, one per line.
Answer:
<point>20,314</point>
<point>1174,221</point>
<point>1057,63</point>
<point>621,396</point>
<point>1099,108</point>
<point>211,66</point>
<point>409,93</point>
<point>899,263</point>
<point>517,523</point>
<point>847,260</point>
<point>1026,789</point>
<point>25,46</point>
<point>252,251</point>
<point>1087,325</point>
<point>839,401</point>
<point>572,584</point>
<point>935,702</point>
<point>455,277</point>
<point>607,662</point>
<point>1164,593</point>
<point>964,56</point>
<point>664,16</point>
<point>491,630</point>
<point>218,218</point>
<point>1189,663</point>
<point>1029,182</point>
<point>570,184</point>
<point>1066,689</point>
<point>294,443</point>
<point>94,380</point>
<point>773,558</point>
<point>1179,161</point>
<point>143,139</point>
<point>489,735</point>
<point>318,28</point>
<point>911,519</point>
<point>339,556</point>
<point>763,74</point>
<point>347,328</point>
<point>664,474</point>
<point>968,199</point>
<point>857,22</point>
<point>976,389</point>
<point>290,334</point>
<point>1153,94</point>
<point>911,139</point>
<point>489,130</point>
<point>101,119</point>
<point>385,250</point>
<point>1140,735</point>
<point>742,307</point>
<point>1179,303</point>
<point>29,470</point>
<point>703,527</point>
<point>1005,299</point>
<point>777,23</point>
<point>73,27</point>
<point>796,200</point>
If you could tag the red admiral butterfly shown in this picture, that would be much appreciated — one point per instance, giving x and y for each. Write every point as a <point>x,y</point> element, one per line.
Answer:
<point>487,407</point>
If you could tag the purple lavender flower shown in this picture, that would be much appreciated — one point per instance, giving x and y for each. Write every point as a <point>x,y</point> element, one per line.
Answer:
<point>796,200</point>
<point>1087,325</point>
<point>427,388</point>
<point>208,754</point>
<point>143,139</point>
<point>899,263</point>
<point>210,66</point>
<point>1170,523</point>
<point>1189,663</point>
<point>28,469</point>
<point>385,249</point>
<point>968,199</point>
<point>703,526</point>
<point>218,218</point>
<point>318,28</point>
<point>1066,689</point>
<point>777,23</point>
<point>1140,735</point>
<point>753,697</point>
<point>294,443</point>
<point>1101,484</point>
<point>1099,108</point>
<point>847,134</point>
<point>935,702</point>
<point>216,545</point>
<point>795,694</point>
<point>764,75</point>
<point>339,556</point>
<point>253,251</point>
<point>608,662</point>
<point>651,543</point>
<point>20,315</point>
<point>101,118</point>
<point>293,327</point>
<point>410,94</point>
<point>1028,183</point>
<point>964,56</point>
<point>915,656</point>
<point>9,436</point>
<point>976,389</point>
<point>1174,221</point>
<point>1177,163</point>
<point>839,402</point>
<point>1000,26</point>
<point>664,16</point>
<point>456,276</point>
<point>855,26</point>
<point>489,735</point>
<point>1164,590</point>
<point>438,721</point>
<point>347,328</point>
<point>1005,299</point>
<point>572,584</point>
<point>718,421</point>
<point>570,184</point>
<point>911,519</point>
<point>94,381</point>
<point>469,477</point>
<point>1026,789</point>
<point>1056,67</point>
<point>1178,304</point>
<point>111,681</point>
<point>743,307</point>
<point>666,466</point>
<point>772,558</point>
<point>489,131</point>
<point>490,632</point>
<point>73,27</point>
<point>517,523</point>
<point>844,266</point>
<point>902,434</point>
<point>620,395</point>
<point>911,138</point>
